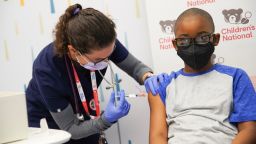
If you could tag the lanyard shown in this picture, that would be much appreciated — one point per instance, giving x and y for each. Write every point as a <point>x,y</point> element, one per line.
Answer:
<point>81,91</point>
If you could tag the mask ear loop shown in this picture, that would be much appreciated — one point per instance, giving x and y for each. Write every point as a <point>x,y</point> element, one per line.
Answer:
<point>83,58</point>
<point>77,60</point>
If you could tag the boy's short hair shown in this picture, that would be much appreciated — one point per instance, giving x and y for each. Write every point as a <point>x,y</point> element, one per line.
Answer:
<point>191,12</point>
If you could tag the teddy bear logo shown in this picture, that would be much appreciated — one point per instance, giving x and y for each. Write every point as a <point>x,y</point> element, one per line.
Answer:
<point>167,26</point>
<point>234,16</point>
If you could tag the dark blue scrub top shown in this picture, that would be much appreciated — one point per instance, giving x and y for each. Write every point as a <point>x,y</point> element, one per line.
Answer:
<point>50,87</point>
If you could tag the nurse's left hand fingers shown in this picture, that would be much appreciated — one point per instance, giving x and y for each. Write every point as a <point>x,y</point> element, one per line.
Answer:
<point>127,109</point>
<point>121,94</point>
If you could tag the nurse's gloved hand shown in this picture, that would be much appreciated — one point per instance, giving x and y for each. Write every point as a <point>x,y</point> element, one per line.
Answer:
<point>164,80</point>
<point>157,84</point>
<point>113,113</point>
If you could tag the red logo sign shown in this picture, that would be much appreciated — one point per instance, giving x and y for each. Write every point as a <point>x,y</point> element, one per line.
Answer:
<point>194,3</point>
<point>239,21</point>
<point>167,27</point>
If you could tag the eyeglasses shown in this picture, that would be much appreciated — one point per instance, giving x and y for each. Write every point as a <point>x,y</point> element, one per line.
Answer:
<point>106,60</point>
<point>200,39</point>
<point>95,62</point>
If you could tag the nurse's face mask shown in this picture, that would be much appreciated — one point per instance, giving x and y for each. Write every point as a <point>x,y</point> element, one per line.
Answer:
<point>93,62</point>
<point>90,65</point>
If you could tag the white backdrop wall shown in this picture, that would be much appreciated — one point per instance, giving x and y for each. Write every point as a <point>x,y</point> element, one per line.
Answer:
<point>26,27</point>
<point>237,45</point>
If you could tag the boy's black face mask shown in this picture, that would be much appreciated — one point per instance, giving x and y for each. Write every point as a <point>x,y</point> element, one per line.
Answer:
<point>196,55</point>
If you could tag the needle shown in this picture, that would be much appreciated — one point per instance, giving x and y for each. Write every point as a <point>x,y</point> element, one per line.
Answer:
<point>134,95</point>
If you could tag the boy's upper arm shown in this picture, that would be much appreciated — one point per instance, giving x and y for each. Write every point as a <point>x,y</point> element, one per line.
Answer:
<point>247,133</point>
<point>246,125</point>
<point>244,99</point>
<point>158,125</point>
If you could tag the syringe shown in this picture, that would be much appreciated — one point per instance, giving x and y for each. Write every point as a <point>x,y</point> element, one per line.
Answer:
<point>132,96</point>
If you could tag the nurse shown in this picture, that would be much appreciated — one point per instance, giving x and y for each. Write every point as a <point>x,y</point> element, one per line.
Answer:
<point>66,73</point>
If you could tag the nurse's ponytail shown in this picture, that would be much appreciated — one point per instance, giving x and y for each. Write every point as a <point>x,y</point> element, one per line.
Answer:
<point>84,29</point>
<point>61,39</point>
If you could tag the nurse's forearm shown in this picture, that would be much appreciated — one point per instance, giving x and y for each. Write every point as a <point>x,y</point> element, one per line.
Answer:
<point>68,121</point>
<point>134,68</point>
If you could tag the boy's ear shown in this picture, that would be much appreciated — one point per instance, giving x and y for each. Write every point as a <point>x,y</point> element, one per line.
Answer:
<point>174,44</point>
<point>216,39</point>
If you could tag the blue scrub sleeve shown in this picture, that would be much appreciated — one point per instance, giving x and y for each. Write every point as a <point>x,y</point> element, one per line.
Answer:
<point>119,53</point>
<point>50,96</point>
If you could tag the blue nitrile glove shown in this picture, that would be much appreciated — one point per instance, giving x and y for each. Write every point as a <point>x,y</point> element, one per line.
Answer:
<point>157,83</point>
<point>164,79</point>
<point>113,113</point>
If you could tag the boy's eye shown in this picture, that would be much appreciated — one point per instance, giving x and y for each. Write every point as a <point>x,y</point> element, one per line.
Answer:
<point>202,39</point>
<point>183,41</point>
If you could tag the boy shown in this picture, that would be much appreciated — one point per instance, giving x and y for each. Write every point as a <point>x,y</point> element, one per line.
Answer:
<point>203,103</point>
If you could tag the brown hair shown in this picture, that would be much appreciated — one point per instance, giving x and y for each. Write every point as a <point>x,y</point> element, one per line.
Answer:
<point>85,29</point>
